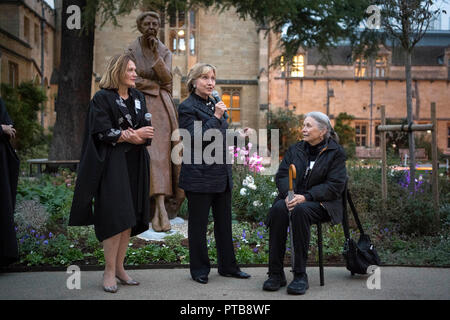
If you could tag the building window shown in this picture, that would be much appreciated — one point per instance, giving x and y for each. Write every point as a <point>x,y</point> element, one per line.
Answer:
<point>13,74</point>
<point>377,135</point>
<point>360,68</point>
<point>232,99</point>
<point>361,134</point>
<point>177,31</point>
<point>26,29</point>
<point>192,31</point>
<point>298,66</point>
<point>36,34</point>
<point>381,67</point>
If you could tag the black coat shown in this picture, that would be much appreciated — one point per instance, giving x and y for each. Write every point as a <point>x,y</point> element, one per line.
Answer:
<point>326,181</point>
<point>202,177</point>
<point>103,180</point>
<point>9,174</point>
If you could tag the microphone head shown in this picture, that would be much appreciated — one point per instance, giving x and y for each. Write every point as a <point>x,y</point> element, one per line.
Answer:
<point>215,95</point>
<point>148,116</point>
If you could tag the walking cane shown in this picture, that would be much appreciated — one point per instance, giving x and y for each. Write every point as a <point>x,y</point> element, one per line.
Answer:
<point>292,176</point>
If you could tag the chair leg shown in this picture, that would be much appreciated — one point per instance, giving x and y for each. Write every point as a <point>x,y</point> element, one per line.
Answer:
<point>319,245</point>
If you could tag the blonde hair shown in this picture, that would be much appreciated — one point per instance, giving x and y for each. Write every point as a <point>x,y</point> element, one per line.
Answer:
<point>115,71</point>
<point>196,72</point>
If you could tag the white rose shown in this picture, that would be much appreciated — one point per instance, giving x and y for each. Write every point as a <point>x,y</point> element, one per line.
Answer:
<point>252,186</point>
<point>257,203</point>
<point>243,192</point>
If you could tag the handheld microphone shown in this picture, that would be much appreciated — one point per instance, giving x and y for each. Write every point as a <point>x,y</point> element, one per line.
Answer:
<point>216,96</point>
<point>148,118</point>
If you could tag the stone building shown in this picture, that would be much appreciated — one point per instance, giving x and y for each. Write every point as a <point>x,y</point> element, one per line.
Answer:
<point>359,87</point>
<point>27,33</point>
<point>243,52</point>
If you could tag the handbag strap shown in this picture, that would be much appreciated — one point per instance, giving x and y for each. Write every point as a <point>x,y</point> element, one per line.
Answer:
<point>348,198</point>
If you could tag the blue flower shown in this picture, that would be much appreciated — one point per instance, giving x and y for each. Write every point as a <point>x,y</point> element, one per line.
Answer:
<point>45,242</point>
<point>50,235</point>
<point>33,231</point>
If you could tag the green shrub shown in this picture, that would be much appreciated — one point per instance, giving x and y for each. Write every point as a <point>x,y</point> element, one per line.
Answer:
<point>22,104</point>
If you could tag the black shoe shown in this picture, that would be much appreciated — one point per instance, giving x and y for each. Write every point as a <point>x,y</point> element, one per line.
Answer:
<point>299,285</point>
<point>238,274</point>
<point>275,281</point>
<point>201,279</point>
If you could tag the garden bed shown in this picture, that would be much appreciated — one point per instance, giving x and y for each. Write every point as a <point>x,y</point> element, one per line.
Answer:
<point>403,235</point>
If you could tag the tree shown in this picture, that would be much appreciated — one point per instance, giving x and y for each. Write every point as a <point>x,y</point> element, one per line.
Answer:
<point>405,22</point>
<point>74,86</point>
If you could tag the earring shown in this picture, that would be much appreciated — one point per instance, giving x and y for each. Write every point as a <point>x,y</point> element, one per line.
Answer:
<point>194,86</point>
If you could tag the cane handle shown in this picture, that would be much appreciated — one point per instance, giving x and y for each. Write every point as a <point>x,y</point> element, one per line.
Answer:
<point>292,176</point>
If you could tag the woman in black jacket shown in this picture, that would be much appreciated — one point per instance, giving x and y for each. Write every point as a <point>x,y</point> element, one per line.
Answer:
<point>113,176</point>
<point>206,183</point>
<point>321,175</point>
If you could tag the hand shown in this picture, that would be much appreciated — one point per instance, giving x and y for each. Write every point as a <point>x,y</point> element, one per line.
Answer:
<point>9,130</point>
<point>146,132</point>
<point>298,198</point>
<point>220,109</point>
<point>133,137</point>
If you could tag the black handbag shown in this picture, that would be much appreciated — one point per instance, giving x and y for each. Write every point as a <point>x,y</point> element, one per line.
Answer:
<point>358,256</point>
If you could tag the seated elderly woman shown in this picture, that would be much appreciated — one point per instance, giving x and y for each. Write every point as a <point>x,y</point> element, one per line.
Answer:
<point>321,175</point>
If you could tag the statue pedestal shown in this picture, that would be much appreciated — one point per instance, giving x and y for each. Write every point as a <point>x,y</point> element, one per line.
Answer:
<point>178,224</point>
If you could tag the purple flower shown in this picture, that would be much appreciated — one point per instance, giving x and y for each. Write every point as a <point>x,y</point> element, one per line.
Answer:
<point>45,242</point>
<point>21,240</point>
<point>33,231</point>
<point>50,235</point>
<point>255,250</point>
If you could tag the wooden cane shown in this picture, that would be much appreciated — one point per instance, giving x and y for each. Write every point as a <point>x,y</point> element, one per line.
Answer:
<point>292,176</point>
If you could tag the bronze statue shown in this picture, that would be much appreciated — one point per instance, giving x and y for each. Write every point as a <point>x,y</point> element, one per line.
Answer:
<point>154,66</point>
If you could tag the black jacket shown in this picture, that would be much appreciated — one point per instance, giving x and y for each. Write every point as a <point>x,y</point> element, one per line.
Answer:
<point>103,172</point>
<point>326,181</point>
<point>195,176</point>
<point>9,175</point>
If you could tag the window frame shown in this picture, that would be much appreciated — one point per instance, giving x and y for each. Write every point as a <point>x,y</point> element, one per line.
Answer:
<point>233,92</point>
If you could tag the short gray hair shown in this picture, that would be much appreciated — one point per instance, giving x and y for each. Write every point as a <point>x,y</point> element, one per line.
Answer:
<point>324,122</point>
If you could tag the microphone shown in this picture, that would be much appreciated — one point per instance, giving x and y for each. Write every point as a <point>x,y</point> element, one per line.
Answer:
<point>148,118</point>
<point>216,96</point>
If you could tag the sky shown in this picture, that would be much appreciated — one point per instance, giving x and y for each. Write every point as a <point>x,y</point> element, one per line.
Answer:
<point>442,4</point>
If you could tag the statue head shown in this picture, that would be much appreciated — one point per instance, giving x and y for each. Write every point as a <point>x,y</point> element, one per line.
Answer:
<point>148,23</point>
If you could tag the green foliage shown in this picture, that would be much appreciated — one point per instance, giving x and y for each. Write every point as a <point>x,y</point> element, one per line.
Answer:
<point>346,133</point>
<point>289,125</point>
<point>253,194</point>
<point>22,104</point>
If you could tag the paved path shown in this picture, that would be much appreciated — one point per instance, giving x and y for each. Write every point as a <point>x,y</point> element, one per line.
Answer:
<point>176,284</point>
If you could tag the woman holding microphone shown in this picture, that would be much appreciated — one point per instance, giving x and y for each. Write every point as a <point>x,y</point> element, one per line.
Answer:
<point>114,168</point>
<point>207,185</point>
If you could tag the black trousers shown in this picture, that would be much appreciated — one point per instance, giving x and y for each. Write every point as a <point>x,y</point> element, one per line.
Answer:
<point>303,216</point>
<point>199,205</point>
